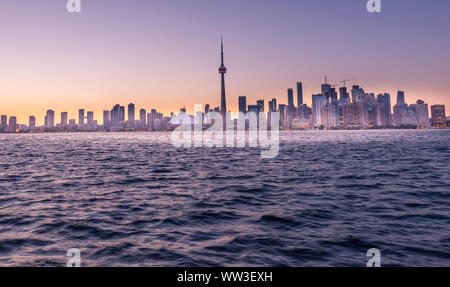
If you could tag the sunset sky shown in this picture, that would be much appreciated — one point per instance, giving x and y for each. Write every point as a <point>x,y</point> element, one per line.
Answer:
<point>164,54</point>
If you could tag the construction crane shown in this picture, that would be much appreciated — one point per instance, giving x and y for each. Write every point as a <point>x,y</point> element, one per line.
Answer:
<point>326,82</point>
<point>345,81</point>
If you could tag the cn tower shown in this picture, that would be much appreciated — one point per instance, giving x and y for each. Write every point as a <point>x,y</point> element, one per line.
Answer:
<point>223,100</point>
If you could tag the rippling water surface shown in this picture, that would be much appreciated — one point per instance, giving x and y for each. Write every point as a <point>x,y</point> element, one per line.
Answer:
<point>134,200</point>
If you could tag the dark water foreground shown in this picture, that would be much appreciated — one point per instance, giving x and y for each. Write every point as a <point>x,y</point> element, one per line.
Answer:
<point>133,199</point>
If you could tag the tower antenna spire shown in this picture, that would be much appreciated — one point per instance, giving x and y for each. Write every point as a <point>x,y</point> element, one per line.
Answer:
<point>222,72</point>
<point>221,47</point>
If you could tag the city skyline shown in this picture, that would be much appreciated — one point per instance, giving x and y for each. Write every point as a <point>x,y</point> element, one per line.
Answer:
<point>330,109</point>
<point>168,59</point>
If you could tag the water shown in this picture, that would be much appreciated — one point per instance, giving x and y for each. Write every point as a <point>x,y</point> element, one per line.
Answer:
<point>134,200</point>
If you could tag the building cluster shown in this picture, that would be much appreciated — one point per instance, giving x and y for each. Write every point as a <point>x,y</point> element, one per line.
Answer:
<point>348,110</point>
<point>354,109</point>
<point>114,120</point>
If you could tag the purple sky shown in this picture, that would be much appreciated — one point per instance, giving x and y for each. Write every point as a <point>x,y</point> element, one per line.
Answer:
<point>164,54</point>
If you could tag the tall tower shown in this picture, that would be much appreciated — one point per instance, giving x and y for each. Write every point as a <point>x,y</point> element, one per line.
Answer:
<point>223,100</point>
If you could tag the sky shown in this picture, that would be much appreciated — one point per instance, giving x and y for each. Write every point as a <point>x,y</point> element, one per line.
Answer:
<point>165,54</point>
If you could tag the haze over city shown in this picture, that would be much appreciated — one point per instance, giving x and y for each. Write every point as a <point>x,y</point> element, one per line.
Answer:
<point>164,54</point>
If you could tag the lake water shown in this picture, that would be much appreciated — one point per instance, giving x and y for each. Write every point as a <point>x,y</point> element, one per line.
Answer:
<point>132,199</point>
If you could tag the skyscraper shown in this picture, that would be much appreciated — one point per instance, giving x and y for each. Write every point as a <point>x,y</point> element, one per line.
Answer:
<point>356,93</point>
<point>325,87</point>
<point>142,114</point>
<point>64,120</point>
<point>282,111</point>
<point>274,104</point>
<point>3,123</point>
<point>343,95</point>
<point>400,98</point>
<point>299,94</point>
<point>243,105</point>
<point>31,122</point>
<point>131,115</point>
<point>356,115</point>
<point>399,117</point>
<point>290,109</point>
<point>290,93</point>
<point>384,106</point>
<point>81,117</point>
<point>253,109</point>
<point>423,118</point>
<point>260,104</point>
<point>50,119</point>
<point>223,100</point>
<point>304,113</point>
<point>121,114</point>
<point>90,118</point>
<point>438,119</point>
<point>318,102</point>
<point>106,119</point>
<point>12,125</point>
<point>115,115</point>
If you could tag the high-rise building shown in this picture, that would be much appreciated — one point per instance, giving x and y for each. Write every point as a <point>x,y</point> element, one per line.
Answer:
<point>304,116</point>
<point>411,116</point>
<point>90,118</point>
<point>142,114</point>
<point>357,93</point>
<point>343,95</point>
<point>325,87</point>
<point>318,102</point>
<point>131,115</point>
<point>273,105</point>
<point>399,117</point>
<point>115,115</point>
<point>260,104</point>
<point>299,94</point>
<point>4,124</point>
<point>243,104</point>
<point>106,119</point>
<point>438,119</point>
<point>421,109</point>
<point>31,122</point>
<point>50,119</point>
<point>150,121</point>
<point>290,109</point>
<point>253,109</point>
<point>282,111</point>
<point>401,98</point>
<point>207,107</point>
<point>121,114</point>
<point>81,117</point>
<point>356,115</point>
<point>333,96</point>
<point>12,127</point>
<point>64,119</point>
<point>384,107</point>
<point>223,100</point>
<point>329,116</point>
<point>290,94</point>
